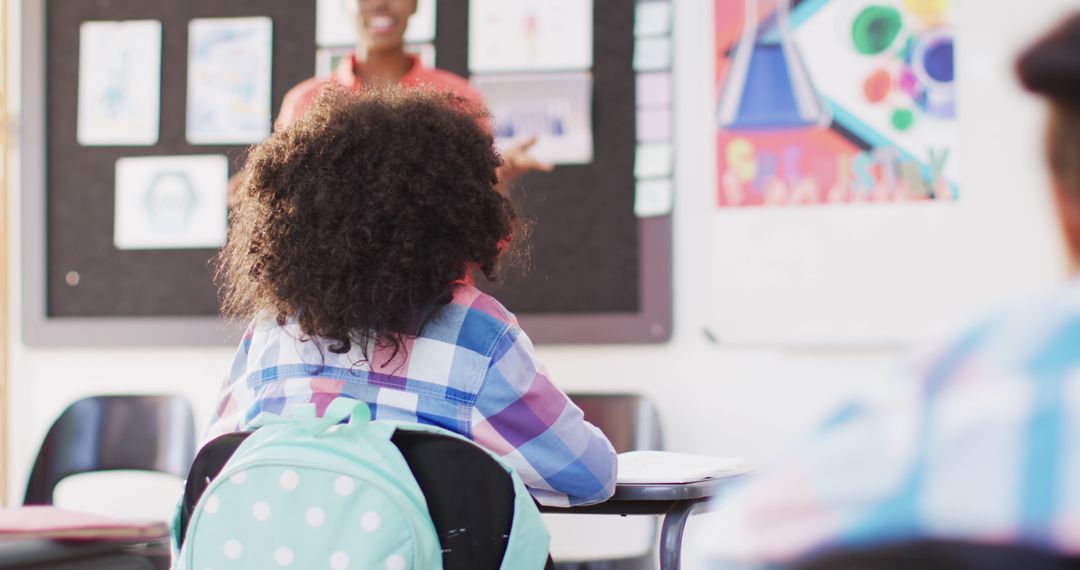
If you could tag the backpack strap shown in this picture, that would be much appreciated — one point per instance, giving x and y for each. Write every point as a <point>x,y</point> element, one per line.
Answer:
<point>529,541</point>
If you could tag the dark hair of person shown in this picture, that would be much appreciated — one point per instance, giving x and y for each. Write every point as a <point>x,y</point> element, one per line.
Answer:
<point>1051,68</point>
<point>357,220</point>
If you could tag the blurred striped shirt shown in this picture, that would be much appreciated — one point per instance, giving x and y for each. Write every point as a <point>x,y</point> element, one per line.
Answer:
<point>977,440</point>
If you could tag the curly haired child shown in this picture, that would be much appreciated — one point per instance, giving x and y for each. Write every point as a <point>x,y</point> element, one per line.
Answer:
<point>352,251</point>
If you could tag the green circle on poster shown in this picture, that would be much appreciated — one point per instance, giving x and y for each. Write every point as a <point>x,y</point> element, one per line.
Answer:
<point>875,29</point>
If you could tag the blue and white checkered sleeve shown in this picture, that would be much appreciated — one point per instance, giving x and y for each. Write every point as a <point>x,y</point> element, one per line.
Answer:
<point>524,418</point>
<point>229,414</point>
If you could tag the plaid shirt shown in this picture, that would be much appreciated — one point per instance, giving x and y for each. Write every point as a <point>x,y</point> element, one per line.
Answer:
<point>471,370</point>
<point>977,441</point>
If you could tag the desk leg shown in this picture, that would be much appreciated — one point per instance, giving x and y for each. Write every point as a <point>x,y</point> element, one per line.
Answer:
<point>671,532</point>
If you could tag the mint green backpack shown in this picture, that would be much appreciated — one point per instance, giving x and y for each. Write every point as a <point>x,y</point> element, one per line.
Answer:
<point>306,492</point>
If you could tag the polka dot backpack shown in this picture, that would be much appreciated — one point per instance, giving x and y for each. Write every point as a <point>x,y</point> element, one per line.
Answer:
<point>311,492</point>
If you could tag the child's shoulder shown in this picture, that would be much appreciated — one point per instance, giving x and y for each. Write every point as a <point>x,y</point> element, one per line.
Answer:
<point>475,301</point>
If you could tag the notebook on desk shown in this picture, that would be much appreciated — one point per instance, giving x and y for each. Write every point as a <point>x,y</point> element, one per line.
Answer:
<point>664,467</point>
<point>23,523</point>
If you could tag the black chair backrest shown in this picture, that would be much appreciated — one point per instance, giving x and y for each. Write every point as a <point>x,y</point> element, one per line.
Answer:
<point>939,555</point>
<point>469,495</point>
<point>105,433</point>
<point>629,421</point>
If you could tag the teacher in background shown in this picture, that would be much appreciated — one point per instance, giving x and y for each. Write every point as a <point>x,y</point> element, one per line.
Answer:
<point>380,58</point>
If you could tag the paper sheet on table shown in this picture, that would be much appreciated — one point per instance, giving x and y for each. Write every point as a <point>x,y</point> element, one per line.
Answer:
<point>530,35</point>
<point>119,83</point>
<point>668,467</point>
<point>653,197</point>
<point>652,18</point>
<point>228,95</point>
<point>335,23</point>
<point>653,160</point>
<point>171,202</point>
<point>46,521</point>
<point>556,108</point>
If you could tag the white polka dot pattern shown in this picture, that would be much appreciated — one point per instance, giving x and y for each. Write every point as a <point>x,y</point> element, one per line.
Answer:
<point>284,556</point>
<point>238,478</point>
<point>395,562</point>
<point>233,549</point>
<point>212,505</point>
<point>315,516</point>
<point>289,480</point>
<point>371,521</point>
<point>339,561</point>
<point>261,511</point>
<point>344,485</point>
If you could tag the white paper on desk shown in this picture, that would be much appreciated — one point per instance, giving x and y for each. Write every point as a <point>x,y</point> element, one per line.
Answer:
<point>667,467</point>
<point>119,83</point>
<point>530,35</point>
<point>335,23</point>
<point>554,107</point>
<point>171,202</point>
<point>228,83</point>
<point>652,18</point>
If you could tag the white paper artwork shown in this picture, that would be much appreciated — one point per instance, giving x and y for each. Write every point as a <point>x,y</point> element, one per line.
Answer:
<point>555,108</point>
<point>335,23</point>
<point>119,83</point>
<point>171,202</point>
<point>530,35</point>
<point>228,97</point>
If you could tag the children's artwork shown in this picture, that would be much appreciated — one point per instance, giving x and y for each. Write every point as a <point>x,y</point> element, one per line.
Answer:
<point>653,90</point>
<point>652,18</point>
<point>335,23</point>
<point>229,80</point>
<point>530,35</point>
<point>654,125</point>
<point>652,54</point>
<point>119,83</point>
<point>653,197</point>
<point>835,101</point>
<point>653,160</point>
<point>171,202</point>
<point>555,108</point>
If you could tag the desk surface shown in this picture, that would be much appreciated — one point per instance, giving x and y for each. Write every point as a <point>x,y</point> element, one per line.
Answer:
<point>649,499</point>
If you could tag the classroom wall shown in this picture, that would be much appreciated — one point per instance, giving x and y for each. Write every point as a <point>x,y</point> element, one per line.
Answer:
<point>749,400</point>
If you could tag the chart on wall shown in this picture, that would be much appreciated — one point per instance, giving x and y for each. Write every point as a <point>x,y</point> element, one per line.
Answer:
<point>835,101</point>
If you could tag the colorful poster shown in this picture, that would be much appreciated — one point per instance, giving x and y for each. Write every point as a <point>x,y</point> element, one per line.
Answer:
<point>228,92</point>
<point>530,35</point>
<point>556,108</point>
<point>171,202</point>
<point>835,101</point>
<point>119,83</point>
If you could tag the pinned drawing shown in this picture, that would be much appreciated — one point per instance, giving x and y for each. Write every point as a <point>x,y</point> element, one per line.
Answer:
<point>119,83</point>
<point>555,108</point>
<point>835,101</point>
<point>530,35</point>
<point>171,202</point>
<point>229,62</point>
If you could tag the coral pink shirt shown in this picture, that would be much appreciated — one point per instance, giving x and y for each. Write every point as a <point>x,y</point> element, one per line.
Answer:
<point>299,98</point>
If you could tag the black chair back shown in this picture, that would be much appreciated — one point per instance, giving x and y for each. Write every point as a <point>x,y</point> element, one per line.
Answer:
<point>105,433</point>
<point>469,495</point>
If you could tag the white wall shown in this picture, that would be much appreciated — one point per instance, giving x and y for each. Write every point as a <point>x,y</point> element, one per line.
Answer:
<point>725,400</point>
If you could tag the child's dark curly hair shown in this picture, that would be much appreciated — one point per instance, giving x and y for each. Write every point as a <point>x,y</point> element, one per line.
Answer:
<point>357,220</point>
